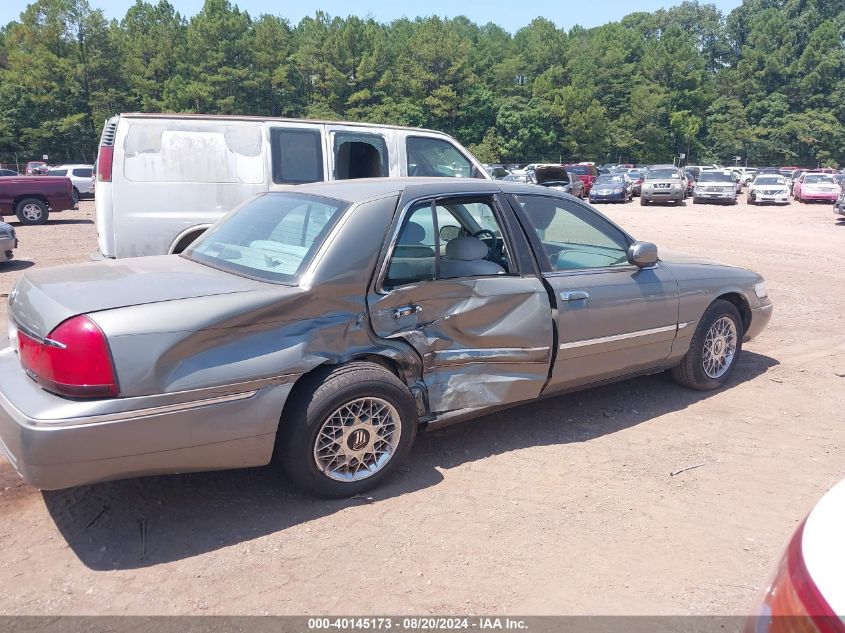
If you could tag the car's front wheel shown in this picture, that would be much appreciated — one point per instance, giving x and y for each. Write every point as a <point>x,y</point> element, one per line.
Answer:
<point>714,350</point>
<point>346,430</point>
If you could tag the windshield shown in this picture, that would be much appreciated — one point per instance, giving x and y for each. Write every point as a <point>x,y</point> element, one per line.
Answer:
<point>714,176</point>
<point>608,179</point>
<point>818,179</point>
<point>272,237</point>
<point>769,180</point>
<point>654,174</point>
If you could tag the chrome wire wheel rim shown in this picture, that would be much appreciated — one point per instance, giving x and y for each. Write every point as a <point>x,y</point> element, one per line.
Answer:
<point>719,347</point>
<point>357,440</point>
<point>32,211</point>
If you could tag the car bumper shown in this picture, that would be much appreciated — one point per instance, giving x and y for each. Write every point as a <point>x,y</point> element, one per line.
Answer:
<point>608,197</point>
<point>7,247</point>
<point>56,445</point>
<point>779,199</point>
<point>760,318</point>
<point>667,195</point>
<point>830,197</point>
<point>715,196</point>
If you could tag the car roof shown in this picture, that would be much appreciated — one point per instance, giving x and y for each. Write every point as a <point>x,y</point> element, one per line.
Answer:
<point>367,188</point>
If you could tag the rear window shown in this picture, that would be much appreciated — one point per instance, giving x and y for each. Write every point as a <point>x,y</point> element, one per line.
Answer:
<point>297,156</point>
<point>83,172</point>
<point>272,237</point>
<point>57,172</point>
<point>436,157</point>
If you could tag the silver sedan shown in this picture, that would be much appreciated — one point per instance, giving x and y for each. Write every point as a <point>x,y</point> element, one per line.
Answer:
<point>322,326</point>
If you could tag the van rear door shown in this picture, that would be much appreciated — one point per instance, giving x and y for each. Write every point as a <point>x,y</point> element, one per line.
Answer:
<point>361,152</point>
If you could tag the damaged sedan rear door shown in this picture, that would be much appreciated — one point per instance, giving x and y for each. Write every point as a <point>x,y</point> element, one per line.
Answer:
<point>457,282</point>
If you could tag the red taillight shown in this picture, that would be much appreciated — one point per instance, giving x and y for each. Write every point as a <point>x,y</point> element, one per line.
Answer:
<point>74,360</point>
<point>104,161</point>
<point>793,602</point>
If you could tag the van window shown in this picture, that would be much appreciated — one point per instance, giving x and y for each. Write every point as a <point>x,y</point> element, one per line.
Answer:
<point>57,172</point>
<point>193,151</point>
<point>83,172</point>
<point>435,157</point>
<point>297,155</point>
<point>358,155</point>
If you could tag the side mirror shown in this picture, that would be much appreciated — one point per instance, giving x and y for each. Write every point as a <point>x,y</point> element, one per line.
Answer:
<point>449,232</point>
<point>642,254</point>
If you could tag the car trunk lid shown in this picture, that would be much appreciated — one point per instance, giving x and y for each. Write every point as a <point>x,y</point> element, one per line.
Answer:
<point>42,299</point>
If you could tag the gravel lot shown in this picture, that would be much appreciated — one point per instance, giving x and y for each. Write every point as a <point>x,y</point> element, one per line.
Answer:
<point>564,506</point>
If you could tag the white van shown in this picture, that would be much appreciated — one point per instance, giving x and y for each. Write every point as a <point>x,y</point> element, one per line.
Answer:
<point>163,179</point>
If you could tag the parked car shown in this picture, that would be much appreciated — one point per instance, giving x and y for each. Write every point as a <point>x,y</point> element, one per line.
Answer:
<point>556,177</point>
<point>271,337</point>
<point>82,177</point>
<point>33,198</point>
<point>715,186</point>
<point>787,170</point>
<point>613,187</point>
<point>692,176</point>
<point>587,174</point>
<point>813,186</point>
<point>747,175</point>
<point>36,168</point>
<point>663,183</point>
<point>163,179</point>
<point>839,205</point>
<point>768,188</point>
<point>5,173</point>
<point>793,178</point>
<point>637,177</point>
<point>737,180</point>
<point>8,242</point>
<point>807,593</point>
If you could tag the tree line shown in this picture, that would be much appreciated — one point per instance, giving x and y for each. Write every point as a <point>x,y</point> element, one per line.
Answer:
<point>765,82</point>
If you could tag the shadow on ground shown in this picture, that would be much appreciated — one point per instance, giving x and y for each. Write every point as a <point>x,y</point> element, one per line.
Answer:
<point>16,264</point>
<point>141,522</point>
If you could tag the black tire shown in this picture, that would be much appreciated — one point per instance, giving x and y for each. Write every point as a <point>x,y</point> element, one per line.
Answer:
<point>317,398</point>
<point>75,195</point>
<point>32,211</point>
<point>643,201</point>
<point>690,372</point>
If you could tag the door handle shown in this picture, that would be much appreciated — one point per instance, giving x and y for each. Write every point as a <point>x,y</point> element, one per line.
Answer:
<point>404,311</point>
<point>574,295</point>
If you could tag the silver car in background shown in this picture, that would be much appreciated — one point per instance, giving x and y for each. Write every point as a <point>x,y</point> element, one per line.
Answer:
<point>663,183</point>
<point>715,186</point>
<point>320,327</point>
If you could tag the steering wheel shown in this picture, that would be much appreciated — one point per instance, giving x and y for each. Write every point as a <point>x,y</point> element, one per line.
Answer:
<point>494,242</point>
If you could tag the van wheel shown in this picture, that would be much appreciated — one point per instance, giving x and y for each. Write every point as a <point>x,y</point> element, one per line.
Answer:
<point>714,350</point>
<point>185,242</point>
<point>32,211</point>
<point>346,430</point>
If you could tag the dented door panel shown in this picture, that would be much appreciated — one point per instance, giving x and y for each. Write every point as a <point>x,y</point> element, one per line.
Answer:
<point>483,341</point>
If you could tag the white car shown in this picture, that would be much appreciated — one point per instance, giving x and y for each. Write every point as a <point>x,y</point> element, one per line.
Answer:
<point>769,188</point>
<point>807,592</point>
<point>82,177</point>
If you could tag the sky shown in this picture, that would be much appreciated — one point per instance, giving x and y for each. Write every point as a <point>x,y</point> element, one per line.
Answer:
<point>510,14</point>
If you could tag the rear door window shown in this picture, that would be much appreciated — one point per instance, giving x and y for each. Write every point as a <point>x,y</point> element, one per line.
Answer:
<point>58,172</point>
<point>83,172</point>
<point>436,157</point>
<point>297,156</point>
<point>360,155</point>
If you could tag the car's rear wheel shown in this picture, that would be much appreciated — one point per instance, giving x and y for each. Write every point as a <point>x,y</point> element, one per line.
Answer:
<point>346,430</point>
<point>32,211</point>
<point>75,195</point>
<point>714,350</point>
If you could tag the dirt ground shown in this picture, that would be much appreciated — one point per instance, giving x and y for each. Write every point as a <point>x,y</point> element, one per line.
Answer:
<point>565,506</point>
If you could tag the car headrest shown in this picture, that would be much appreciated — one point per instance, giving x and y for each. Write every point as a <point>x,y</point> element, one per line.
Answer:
<point>466,249</point>
<point>412,234</point>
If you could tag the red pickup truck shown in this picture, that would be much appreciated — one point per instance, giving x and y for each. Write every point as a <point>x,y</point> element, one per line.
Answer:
<point>33,198</point>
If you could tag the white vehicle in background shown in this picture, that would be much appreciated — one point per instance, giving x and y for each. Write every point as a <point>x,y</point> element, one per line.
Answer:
<point>715,186</point>
<point>163,179</point>
<point>807,593</point>
<point>81,176</point>
<point>768,188</point>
